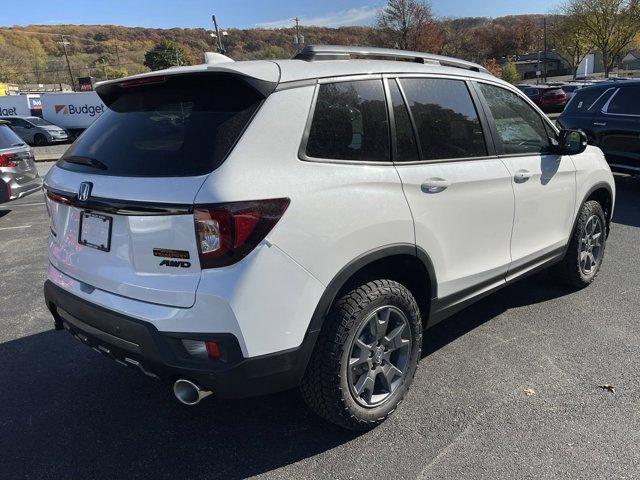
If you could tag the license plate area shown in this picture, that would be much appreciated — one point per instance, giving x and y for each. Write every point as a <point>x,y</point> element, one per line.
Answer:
<point>95,230</point>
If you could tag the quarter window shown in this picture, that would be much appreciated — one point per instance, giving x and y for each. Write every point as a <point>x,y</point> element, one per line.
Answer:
<point>446,120</point>
<point>350,122</point>
<point>520,128</point>
<point>625,102</point>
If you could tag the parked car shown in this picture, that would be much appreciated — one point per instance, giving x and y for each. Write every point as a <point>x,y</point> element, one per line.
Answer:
<point>549,99</point>
<point>570,88</point>
<point>36,130</point>
<point>609,113</point>
<point>18,172</point>
<point>241,228</point>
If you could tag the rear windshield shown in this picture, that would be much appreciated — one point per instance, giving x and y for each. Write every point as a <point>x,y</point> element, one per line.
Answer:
<point>8,138</point>
<point>183,126</point>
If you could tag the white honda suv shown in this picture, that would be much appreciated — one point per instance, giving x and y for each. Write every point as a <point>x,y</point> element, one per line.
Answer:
<point>240,228</point>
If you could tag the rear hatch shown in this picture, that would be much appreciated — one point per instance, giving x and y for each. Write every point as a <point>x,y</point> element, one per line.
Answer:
<point>554,96</point>
<point>121,198</point>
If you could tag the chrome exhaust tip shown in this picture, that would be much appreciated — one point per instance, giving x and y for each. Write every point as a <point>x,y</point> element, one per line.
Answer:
<point>189,393</point>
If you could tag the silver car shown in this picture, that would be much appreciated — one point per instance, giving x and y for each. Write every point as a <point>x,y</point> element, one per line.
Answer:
<point>36,130</point>
<point>18,172</point>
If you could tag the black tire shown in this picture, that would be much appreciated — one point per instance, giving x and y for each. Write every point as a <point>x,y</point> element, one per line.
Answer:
<point>569,271</point>
<point>39,140</point>
<point>326,386</point>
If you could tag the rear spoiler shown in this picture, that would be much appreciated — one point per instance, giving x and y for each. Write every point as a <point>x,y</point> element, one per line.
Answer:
<point>110,90</point>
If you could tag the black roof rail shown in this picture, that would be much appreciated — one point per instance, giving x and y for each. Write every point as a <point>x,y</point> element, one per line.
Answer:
<point>312,53</point>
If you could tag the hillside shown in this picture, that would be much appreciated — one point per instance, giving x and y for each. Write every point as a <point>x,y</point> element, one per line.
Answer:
<point>34,54</point>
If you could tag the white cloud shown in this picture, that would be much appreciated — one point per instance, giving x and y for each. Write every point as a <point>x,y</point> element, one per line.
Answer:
<point>352,16</point>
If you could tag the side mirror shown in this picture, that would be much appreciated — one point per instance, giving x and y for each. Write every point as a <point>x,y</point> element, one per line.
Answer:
<point>27,126</point>
<point>572,142</point>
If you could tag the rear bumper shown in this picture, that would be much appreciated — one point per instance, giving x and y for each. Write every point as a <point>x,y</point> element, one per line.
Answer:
<point>133,342</point>
<point>18,187</point>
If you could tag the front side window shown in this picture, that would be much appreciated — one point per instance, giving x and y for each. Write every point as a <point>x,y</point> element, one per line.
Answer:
<point>625,102</point>
<point>446,120</point>
<point>520,128</point>
<point>40,122</point>
<point>350,122</point>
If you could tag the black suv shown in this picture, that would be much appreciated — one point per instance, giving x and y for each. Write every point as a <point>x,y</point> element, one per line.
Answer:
<point>609,113</point>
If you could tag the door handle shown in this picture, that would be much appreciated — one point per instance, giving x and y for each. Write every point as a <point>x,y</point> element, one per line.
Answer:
<point>434,185</point>
<point>522,176</point>
<point>600,124</point>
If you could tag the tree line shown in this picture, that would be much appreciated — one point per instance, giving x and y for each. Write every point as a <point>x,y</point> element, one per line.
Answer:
<point>35,54</point>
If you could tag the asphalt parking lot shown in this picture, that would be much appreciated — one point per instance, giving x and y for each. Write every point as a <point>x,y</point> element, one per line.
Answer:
<point>67,412</point>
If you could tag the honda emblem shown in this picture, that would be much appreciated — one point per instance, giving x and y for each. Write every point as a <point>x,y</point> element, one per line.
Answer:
<point>84,192</point>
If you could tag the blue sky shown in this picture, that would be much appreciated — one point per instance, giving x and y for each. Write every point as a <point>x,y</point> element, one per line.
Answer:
<point>238,13</point>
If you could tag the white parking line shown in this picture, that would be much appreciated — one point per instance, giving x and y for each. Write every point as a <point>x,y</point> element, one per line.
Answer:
<point>26,204</point>
<point>13,228</point>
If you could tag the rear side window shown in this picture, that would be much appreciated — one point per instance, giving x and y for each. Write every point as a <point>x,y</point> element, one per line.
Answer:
<point>446,120</point>
<point>350,122</point>
<point>520,128</point>
<point>8,138</point>
<point>583,100</point>
<point>182,127</point>
<point>625,102</point>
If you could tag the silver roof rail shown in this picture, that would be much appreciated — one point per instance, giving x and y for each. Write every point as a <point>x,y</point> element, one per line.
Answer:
<point>313,53</point>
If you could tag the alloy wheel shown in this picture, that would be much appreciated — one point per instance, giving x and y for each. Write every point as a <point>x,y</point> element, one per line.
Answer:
<point>591,245</point>
<point>379,356</point>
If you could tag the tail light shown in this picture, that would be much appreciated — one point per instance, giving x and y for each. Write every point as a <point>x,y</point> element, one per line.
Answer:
<point>7,160</point>
<point>228,232</point>
<point>57,198</point>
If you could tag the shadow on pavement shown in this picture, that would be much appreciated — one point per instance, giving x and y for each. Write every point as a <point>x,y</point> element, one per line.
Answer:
<point>627,208</point>
<point>67,412</point>
<point>535,289</point>
<point>4,212</point>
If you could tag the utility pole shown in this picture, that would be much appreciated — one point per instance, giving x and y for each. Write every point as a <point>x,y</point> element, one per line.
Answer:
<point>221,48</point>
<point>544,23</point>
<point>297,20</point>
<point>66,56</point>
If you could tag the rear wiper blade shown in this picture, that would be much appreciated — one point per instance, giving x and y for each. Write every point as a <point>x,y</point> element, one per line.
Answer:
<point>90,162</point>
<point>17,144</point>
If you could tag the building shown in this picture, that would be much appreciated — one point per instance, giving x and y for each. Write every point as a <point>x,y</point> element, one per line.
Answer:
<point>590,65</point>
<point>532,65</point>
<point>45,87</point>
<point>631,61</point>
<point>9,89</point>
